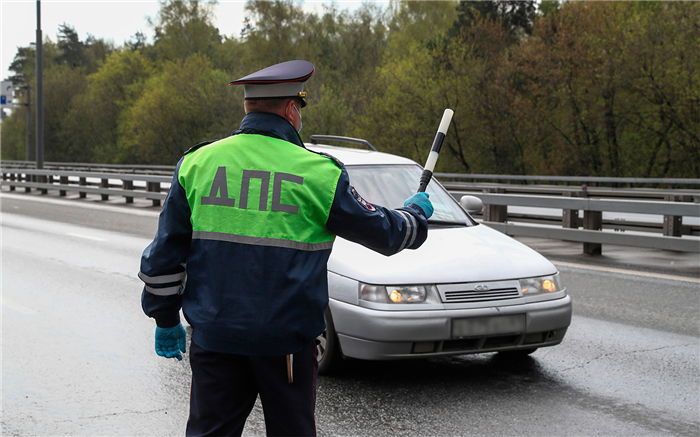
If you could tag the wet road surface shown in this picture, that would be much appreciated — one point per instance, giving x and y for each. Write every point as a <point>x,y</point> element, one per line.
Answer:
<point>77,352</point>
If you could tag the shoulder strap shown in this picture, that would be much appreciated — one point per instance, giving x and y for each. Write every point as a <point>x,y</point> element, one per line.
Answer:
<point>329,156</point>
<point>197,146</point>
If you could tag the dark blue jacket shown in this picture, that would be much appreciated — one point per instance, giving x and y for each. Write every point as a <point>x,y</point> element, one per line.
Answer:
<point>253,299</point>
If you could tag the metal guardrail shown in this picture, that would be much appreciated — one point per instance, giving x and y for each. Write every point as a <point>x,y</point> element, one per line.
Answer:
<point>672,204</point>
<point>118,168</point>
<point>496,216</point>
<point>148,186</point>
<point>580,180</point>
<point>571,179</point>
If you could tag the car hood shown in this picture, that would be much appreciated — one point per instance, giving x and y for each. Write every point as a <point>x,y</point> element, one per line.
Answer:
<point>449,255</point>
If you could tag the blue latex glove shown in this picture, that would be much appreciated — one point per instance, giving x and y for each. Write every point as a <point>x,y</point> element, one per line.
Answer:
<point>421,200</point>
<point>171,341</point>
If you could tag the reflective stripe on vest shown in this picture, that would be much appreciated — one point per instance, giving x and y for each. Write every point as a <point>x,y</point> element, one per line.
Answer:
<point>255,189</point>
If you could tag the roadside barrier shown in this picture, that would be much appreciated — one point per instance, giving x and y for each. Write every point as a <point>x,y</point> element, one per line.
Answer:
<point>560,212</point>
<point>105,184</point>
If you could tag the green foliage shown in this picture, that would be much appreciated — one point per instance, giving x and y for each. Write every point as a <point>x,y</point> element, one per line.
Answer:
<point>516,16</point>
<point>276,35</point>
<point>554,87</point>
<point>549,7</point>
<point>61,85</point>
<point>72,49</point>
<point>94,117</point>
<point>75,53</point>
<point>614,94</point>
<point>185,104</point>
<point>13,135</point>
<point>184,28</point>
<point>329,115</point>
<point>22,65</point>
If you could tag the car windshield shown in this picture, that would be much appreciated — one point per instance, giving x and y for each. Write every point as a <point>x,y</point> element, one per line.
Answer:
<point>391,185</point>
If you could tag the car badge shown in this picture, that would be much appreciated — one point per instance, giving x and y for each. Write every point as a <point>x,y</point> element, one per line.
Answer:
<point>481,288</point>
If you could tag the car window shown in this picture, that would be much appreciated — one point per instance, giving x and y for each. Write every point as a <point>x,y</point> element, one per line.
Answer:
<point>391,185</point>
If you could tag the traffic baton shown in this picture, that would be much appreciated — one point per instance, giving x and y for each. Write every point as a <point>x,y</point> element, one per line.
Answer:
<point>435,150</point>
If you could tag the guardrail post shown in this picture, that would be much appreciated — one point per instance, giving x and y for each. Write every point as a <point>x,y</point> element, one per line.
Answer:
<point>673,224</point>
<point>495,213</point>
<point>28,178</point>
<point>128,185</point>
<point>63,180</point>
<point>43,180</point>
<point>104,184</point>
<point>593,220</point>
<point>569,217</point>
<point>154,187</point>
<point>83,182</point>
<point>11,177</point>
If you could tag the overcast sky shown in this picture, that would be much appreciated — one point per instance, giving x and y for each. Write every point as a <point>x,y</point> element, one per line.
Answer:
<point>115,20</point>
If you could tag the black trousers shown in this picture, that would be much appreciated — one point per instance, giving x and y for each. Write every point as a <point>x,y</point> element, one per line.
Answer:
<point>225,387</point>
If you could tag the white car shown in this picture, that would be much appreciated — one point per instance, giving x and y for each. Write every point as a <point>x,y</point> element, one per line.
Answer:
<point>468,289</point>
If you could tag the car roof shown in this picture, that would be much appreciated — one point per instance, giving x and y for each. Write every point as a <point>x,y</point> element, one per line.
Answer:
<point>351,156</point>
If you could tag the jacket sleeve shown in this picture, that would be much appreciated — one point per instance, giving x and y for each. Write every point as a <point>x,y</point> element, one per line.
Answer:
<point>381,229</point>
<point>164,261</point>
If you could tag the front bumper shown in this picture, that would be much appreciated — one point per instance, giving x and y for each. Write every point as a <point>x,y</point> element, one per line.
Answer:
<point>383,335</point>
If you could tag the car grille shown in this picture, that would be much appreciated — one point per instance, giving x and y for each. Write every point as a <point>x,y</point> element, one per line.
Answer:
<point>464,296</point>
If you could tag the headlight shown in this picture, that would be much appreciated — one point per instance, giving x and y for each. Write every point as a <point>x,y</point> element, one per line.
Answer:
<point>543,285</point>
<point>397,293</point>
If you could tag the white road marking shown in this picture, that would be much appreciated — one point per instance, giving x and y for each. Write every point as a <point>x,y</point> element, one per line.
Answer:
<point>13,306</point>
<point>628,272</point>
<point>85,236</point>
<point>79,204</point>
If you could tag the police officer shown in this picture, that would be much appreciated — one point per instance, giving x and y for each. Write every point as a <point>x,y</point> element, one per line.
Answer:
<point>242,246</point>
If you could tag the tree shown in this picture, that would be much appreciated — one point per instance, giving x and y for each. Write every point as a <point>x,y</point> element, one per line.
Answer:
<point>396,116</point>
<point>71,48</point>
<point>184,28</point>
<point>94,118</point>
<point>13,135</point>
<point>276,32</point>
<point>468,74</point>
<point>515,16</point>
<point>23,65</point>
<point>329,114</point>
<point>61,85</point>
<point>349,49</point>
<point>612,86</point>
<point>87,54</point>
<point>185,104</point>
<point>136,42</point>
<point>574,88</point>
<point>419,22</point>
<point>23,68</point>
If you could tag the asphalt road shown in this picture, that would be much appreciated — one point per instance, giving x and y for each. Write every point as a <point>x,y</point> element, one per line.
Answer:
<point>77,352</point>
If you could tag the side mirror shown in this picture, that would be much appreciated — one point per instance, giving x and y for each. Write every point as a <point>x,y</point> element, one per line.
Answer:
<point>471,204</point>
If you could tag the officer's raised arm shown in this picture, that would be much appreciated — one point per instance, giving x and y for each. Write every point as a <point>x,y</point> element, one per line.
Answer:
<point>381,229</point>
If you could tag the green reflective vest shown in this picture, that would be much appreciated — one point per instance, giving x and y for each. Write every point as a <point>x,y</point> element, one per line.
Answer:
<point>260,190</point>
